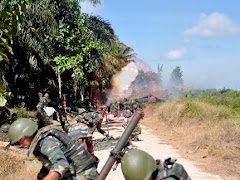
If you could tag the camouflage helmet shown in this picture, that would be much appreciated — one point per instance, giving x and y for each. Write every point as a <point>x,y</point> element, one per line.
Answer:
<point>81,110</point>
<point>20,128</point>
<point>137,164</point>
<point>46,95</point>
<point>79,130</point>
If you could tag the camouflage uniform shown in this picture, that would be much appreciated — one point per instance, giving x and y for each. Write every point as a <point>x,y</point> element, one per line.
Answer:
<point>40,104</point>
<point>176,171</point>
<point>127,113</point>
<point>60,153</point>
<point>82,132</point>
<point>94,120</point>
<point>79,130</point>
<point>79,118</point>
<point>138,130</point>
<point>43,102</point>
<point>4,132</point>
<point>114,109</point>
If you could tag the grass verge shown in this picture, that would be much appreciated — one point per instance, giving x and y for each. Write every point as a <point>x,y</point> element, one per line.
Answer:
<point>203,129</point>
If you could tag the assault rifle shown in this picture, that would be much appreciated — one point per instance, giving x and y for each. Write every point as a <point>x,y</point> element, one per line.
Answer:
<point>120,148</point>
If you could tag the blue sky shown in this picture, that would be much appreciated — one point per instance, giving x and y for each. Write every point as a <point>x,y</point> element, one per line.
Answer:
<point>203,37</point>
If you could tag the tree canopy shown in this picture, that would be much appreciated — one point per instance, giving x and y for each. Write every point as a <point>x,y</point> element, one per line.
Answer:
<point>55,48</point>
<point>176,76</point>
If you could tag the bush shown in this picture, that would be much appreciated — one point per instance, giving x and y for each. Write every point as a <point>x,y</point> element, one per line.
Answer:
<point>193,110</point>
<point>227,98</point>
<point>22,112</point>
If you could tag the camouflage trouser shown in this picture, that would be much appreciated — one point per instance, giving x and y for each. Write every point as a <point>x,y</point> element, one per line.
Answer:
<point>177,171</point>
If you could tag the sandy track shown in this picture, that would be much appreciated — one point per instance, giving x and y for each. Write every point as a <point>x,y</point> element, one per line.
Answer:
<point>154,146</point>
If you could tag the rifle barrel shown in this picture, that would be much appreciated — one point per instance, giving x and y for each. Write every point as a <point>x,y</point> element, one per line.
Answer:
<point>120,145</point>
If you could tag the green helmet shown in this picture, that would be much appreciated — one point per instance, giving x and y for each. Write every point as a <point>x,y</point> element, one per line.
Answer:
<point>81,110</point>
<point>46,95</point>
<point>137,164</point>
<point>20,128</point>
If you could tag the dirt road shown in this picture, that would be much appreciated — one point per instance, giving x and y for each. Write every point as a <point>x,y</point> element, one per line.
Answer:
<point>154,146</point>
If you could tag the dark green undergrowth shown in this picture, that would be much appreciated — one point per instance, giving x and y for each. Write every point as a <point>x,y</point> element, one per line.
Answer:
<point>22,112</point>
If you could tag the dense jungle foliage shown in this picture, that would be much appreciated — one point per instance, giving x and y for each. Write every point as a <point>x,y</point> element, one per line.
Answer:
<point>51,46</point>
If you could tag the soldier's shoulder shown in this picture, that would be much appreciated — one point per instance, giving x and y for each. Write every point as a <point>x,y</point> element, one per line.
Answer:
<point>48,142</point>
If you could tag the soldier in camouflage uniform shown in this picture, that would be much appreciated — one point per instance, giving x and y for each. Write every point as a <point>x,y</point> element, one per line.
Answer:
<point>4,128</point>
<point>126,108</point>
<point>114,109</point>
<point>94,121</point>
<point>4,132</point>
<point>138,130</point>
<point>61,155</point>
<point>83,134</point>
<point>81,113</point>
<point>43,101</point>
<point>137,164</point>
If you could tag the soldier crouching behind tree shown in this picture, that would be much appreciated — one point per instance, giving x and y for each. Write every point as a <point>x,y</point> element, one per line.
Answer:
<point>61,155</point>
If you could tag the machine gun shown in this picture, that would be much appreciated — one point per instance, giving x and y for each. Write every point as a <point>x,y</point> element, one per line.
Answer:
<point>120,148</point>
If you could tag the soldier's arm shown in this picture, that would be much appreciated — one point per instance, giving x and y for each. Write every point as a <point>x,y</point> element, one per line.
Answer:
<point>52,176</point>
<point>79,118</point>
<point>99,128</point>
<point>50,147</point>
<point>99,120</point>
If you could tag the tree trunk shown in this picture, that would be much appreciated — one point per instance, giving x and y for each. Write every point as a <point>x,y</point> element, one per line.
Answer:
<point>75,89</point>
<point>82,93</point>
<point>60,85</point>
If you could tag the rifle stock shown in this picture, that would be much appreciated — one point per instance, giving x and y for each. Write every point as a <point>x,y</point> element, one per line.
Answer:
<point>120,145</point>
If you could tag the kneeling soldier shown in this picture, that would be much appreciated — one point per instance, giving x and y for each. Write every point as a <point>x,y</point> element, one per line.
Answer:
<point>61,155</point>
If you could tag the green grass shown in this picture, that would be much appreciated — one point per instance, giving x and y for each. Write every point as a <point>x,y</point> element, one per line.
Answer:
<point>193,110</point>
<point>226,103</point>
<point>22,112</point>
